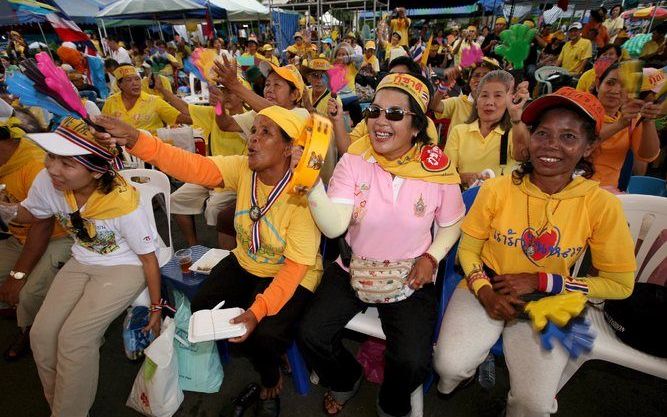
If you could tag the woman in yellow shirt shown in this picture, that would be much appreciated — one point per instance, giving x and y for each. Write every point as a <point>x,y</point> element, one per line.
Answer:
<point>485,141</point>
<point>135,107</point>
<point>587,80</point>
<point>521,237</point>
<point>629,124</point>
<point>275,266</point>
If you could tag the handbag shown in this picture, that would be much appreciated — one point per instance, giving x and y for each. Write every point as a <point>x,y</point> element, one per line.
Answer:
<point>380,281</point>
<point>639,319</point>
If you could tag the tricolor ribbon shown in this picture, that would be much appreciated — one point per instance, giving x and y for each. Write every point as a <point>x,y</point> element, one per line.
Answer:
<point>273,196</point>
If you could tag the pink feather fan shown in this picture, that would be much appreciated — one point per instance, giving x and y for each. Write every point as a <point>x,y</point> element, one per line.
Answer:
<point>337,81</point>
<point>57,80</point>
<point>471,56</point>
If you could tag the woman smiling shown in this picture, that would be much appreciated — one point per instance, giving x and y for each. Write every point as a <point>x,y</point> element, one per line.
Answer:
<point>522,235</point>
<point>387,192</point>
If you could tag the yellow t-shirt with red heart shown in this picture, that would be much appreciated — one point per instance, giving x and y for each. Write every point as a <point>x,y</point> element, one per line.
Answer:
<point>529,231</point>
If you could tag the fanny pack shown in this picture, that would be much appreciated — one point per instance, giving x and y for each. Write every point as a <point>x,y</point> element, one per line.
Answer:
<point>380,281</point>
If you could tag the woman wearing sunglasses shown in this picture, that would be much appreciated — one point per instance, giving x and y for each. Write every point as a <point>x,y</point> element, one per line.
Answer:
<point>113,259</point>
<point>485,141</point>
<point>387,192</point>
<point>520,238</point>
<point>275,266</point>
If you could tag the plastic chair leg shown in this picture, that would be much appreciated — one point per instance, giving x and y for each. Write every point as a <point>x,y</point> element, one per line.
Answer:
<point>300,375</point>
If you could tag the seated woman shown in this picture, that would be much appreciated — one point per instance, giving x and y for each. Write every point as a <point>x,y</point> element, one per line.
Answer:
<point>140,109</point>
<point>485,140</point>
<point>522,235</point>
<point>113,259</point>
<point>629,124</point>
<point>344,55</point>
<point>390,236</point>
<point>275,266</point>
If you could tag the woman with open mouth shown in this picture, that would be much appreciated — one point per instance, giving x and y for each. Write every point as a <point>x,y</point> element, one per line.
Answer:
<point>275,266</point>
<point>520,238</point>
<point>386,191</point>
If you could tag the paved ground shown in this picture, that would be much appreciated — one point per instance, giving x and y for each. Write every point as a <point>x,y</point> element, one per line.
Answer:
<point>598,389</point>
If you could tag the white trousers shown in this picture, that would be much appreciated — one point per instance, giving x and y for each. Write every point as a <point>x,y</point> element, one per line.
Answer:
<point>466,337</point>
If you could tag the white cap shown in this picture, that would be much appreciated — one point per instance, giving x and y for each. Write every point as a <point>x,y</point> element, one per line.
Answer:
<point>575,25</point>
<point>70,45</point>
<point>54,143</point>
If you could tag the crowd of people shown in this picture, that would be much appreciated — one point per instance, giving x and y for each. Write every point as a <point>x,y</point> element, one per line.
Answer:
<point>414,124</point>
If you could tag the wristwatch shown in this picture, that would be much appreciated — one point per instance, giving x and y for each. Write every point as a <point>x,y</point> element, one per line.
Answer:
<point>17,275</point>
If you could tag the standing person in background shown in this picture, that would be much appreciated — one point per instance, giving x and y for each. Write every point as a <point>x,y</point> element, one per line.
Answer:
<point>344,55</point>
<point>576,52</point>
<point>401,25</point>
<point>493,38</point>
<point>118,53</point>
<point>595,31</point>
<point>614,22</point>
<point>351,38</point>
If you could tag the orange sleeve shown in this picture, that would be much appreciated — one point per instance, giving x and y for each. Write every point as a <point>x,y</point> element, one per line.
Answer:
<point>281,289</point>
<point>180,164</point>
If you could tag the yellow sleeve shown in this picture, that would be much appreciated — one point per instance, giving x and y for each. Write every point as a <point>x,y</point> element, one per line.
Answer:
<point>280,290</point>
<point>376,64</point>
<point>586,81</point>
<point>477,222</point>
<point>232,167</point>
<point>610,242</point>
<point>470,256</point>
<point>167,113</point>
<point>359,131</point>
<point>181,164</point>
<point>452,145</point>
<point>166,84</point>
<point>203,117</point>
<point>449,104</point>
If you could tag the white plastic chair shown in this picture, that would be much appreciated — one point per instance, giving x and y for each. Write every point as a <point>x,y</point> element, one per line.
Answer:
<point>647,217</point>
<point>543,74</point>
<point>153,182</point>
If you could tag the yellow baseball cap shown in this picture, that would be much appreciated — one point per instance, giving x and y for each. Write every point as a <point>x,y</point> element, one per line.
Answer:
<point>297,35</point>
<point>370,45</point>
<point>501,20</point>
<point>292,49</point>
<point>288,73</point>
<point>267,47</point>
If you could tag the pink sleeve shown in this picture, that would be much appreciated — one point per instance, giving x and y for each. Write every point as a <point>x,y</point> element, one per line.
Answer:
<point>341,185</point>
<point>451,207</point>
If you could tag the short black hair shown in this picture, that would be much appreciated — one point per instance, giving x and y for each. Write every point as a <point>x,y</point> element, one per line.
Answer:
<point>607,47</point>
<point>111,64</point>
<point>413,67</point>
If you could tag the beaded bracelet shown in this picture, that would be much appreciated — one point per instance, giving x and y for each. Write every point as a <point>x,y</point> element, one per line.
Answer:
<point>431,259</point>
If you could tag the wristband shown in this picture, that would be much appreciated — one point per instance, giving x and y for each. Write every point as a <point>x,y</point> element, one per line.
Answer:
<point>431,259</point>
<point>550,283</point>
<point>477,280</point>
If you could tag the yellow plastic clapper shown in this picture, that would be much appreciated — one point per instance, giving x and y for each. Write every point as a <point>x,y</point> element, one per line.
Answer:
<point>558,309</point>
<point>314,139</point>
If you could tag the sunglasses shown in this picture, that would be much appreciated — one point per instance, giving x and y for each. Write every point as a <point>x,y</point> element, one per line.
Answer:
<point>394,113</point>
<point>78,225</point>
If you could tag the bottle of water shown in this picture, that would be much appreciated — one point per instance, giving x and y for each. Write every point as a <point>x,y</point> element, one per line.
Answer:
<point>487,373</point>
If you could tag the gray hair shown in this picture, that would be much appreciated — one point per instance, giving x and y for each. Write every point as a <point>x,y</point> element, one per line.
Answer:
<point>507,80</point>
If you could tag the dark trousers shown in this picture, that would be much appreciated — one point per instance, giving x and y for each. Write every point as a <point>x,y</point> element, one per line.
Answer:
<point>230,282</point>
<point>408,325</point>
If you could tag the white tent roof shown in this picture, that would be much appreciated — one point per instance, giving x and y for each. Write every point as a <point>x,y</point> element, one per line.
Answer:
<point>132,7</point>
<point>243,10</point>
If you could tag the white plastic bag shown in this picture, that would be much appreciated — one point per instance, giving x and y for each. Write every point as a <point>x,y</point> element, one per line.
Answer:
<point>156,392</point>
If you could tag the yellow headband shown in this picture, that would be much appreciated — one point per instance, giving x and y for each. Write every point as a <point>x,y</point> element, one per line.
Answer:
<point>288,120</point>
<point>410,85</point>
<point>124,71</point>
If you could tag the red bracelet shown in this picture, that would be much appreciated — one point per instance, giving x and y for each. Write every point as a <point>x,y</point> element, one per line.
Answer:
<point>431,259</point>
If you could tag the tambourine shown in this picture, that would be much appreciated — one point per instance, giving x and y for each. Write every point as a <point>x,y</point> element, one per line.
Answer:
<point>315,140</point>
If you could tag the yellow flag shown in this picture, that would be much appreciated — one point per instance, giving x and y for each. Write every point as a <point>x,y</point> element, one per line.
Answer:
<point>427,51</point>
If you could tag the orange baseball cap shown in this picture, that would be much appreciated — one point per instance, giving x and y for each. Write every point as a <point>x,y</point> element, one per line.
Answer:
<point>566,97</point>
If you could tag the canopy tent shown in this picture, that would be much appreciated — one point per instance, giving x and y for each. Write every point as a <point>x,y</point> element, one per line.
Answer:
<point>83,11</point>
<point>162,9</point>
<point>243,10</point>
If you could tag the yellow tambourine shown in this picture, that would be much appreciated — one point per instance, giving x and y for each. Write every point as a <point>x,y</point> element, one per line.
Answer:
<point>315,140</point>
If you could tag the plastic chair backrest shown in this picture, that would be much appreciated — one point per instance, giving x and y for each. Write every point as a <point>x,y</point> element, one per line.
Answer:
<point>150,183</point>
<point>192,83</point>
<point>647,186</point>
<point>647,219</point>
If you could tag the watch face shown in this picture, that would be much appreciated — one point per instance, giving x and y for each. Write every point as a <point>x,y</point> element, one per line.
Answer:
<point>19,275</point>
